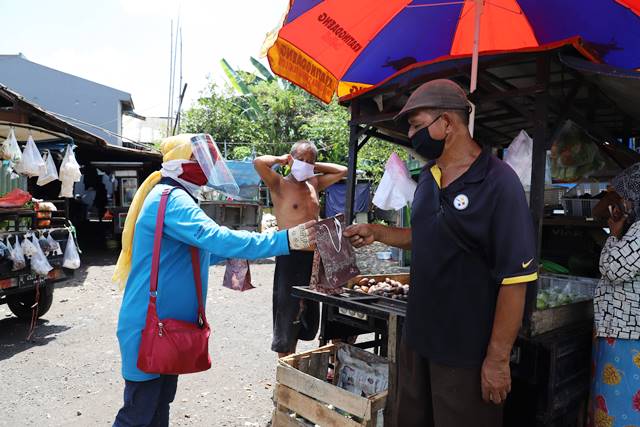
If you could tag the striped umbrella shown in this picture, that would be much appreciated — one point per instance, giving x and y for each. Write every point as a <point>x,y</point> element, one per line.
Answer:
<point>339,47</point>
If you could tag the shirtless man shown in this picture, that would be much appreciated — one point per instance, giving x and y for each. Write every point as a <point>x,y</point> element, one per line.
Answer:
<point>295,201</point>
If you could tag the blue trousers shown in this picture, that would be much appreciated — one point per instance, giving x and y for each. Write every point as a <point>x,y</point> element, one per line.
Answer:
<point>146,403</point>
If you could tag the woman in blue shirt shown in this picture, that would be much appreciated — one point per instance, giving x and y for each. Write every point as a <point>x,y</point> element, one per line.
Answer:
<point>188,167</point>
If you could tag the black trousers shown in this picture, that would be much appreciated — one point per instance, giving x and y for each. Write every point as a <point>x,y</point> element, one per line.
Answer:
<point>433,395</point>
<point>293,319</point>
<point>146,403</point>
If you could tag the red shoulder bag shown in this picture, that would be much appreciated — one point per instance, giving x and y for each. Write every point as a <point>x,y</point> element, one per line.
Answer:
<point>171,346</point>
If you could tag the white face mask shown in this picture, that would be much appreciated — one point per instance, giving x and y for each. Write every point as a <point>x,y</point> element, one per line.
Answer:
<point>302,171</point>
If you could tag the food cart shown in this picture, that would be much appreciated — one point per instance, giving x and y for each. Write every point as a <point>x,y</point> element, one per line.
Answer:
<point>539,91</point>
<point>22,288</point>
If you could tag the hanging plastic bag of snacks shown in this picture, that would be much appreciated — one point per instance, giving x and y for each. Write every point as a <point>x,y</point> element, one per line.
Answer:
<point>17,255</point>
<point>10,150</point>
<point>48,173</point>
<point>31,162</point>
<point>69,172</point>
<point>28,248</point>
<point>39,262</point>
<point>44,244</point>
<point>54,245</point>
<point>71,255</point>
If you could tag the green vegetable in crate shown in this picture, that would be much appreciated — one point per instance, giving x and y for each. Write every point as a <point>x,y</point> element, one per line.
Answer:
<point>556,297</point>
<point>542,300</point>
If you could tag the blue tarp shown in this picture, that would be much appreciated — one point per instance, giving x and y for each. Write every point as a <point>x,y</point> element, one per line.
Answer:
<point>336,196</point>
<point>244,173</point>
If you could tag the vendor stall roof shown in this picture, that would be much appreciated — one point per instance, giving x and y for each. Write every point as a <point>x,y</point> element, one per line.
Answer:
<point>26,117</point>
<point>601,98</point>
<point>23,131</point>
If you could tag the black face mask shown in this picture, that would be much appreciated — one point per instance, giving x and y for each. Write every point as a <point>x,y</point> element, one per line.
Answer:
<point>425,145</point>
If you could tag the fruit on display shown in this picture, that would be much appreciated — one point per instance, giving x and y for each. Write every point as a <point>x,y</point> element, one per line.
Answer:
<point>388,288</point>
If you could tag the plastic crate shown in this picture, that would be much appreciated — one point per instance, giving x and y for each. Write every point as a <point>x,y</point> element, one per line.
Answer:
<point>563,289</point>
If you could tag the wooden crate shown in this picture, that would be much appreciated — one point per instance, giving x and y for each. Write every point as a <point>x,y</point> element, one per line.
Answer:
<point>302,388</point>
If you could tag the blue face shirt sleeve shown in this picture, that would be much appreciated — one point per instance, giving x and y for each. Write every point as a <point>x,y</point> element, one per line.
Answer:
<point>514,239</point>
<point>187,223</point>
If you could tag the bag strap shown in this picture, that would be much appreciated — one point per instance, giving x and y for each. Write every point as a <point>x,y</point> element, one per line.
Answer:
<point>155,261</point>
<point>157,242</point>
<point>195,262</point>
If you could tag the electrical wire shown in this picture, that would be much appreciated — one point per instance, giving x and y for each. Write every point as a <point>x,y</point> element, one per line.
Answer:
<point>107,131</point>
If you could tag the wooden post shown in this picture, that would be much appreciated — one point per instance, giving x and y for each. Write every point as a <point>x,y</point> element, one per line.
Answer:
<point>474,60</point>
<point>539,161</point>
<point>393,343</point>
<point>352,162</point>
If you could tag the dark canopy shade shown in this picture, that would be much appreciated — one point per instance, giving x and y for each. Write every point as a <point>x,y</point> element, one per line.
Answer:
<point>598,97</point>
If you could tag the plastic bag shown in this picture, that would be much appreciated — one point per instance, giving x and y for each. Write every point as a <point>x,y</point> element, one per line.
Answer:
<point>15,199</point>
<point>39,262</point>
<point>10,150</point>
<point>519,156</point>
<point>4,250</point>
<point>71,256</point>
<point>46,207</point>
<point>54,245</point>
<point>69,172</point>
<point>237,275</point>
<point>28,248</point>
<point>396,187</point>
<point>48,172</point>
<point>31,161</point>
<point>334,260</point>
<point>44,244</point>
<point>17,255</point>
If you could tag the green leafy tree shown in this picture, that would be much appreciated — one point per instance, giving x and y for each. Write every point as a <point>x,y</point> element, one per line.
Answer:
<point>258,112</point>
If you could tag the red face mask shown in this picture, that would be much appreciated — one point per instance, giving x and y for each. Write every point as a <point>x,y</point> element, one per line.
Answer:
<point>193,173</point>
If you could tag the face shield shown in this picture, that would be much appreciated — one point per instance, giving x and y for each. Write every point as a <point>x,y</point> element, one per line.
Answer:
<point>208,156</point>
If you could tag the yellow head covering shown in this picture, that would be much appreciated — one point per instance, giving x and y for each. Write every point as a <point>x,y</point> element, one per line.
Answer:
<point>173,148</point>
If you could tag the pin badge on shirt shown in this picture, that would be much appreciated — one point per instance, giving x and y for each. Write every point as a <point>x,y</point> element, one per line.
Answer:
<point>461,202</point>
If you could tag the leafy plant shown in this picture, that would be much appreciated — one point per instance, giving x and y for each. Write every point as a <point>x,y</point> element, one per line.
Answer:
<point>258,112</point>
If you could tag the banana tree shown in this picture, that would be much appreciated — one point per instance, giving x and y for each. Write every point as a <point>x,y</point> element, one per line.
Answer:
<point>252,109</point>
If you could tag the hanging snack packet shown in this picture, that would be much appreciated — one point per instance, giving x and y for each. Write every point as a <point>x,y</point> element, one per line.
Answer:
<point>31,162</point>
<point>28,247</point>
<point>71,256</point>
<point>10,150</point>
<point>17,255</point>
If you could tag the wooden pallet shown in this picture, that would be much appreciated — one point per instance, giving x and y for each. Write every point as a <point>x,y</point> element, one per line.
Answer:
<point>302,389</point>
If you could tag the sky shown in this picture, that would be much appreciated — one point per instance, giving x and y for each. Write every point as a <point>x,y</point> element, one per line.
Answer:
<point>125,44</point>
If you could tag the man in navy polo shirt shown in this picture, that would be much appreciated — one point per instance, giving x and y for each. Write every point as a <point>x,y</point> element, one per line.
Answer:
<point>473,252</point>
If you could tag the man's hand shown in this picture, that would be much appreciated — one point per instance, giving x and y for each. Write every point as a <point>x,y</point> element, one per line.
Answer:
<point>495,379</point>
<point>616,222</point>
<point>284,159</point>
<point>302,237</point>
<point>360,234</point>
<point>263,165</point>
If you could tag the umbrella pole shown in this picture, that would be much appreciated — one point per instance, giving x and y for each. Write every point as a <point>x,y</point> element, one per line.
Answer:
<point>474,61</point>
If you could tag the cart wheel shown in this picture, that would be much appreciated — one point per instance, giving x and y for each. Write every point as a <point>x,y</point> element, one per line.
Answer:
<point>21,304</point>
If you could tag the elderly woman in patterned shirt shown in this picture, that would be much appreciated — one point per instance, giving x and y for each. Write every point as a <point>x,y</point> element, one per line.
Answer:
<point>615,394</point>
